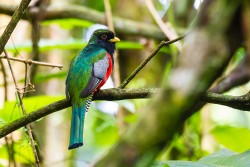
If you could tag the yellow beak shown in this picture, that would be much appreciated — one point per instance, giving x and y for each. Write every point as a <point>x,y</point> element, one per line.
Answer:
<point>115,39</point>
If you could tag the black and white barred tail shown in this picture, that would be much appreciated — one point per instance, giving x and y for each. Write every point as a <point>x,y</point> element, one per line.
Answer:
<point>88,102</point>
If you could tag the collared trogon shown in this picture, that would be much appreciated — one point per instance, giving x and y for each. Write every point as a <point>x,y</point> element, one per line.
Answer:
<point>88,71</point>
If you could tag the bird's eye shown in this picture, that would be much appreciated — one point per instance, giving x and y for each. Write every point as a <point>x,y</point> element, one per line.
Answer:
<point>104,36</point>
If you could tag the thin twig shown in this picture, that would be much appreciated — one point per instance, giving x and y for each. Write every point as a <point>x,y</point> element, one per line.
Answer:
<point>108,14</point>
<point>109,20</point>
<point>165,27</point>
<point>25,79</point>
<point>138,69</point>
<point>238,76</point>
<point>24,112</point>
<point>29,61</point>
<point>5,83</point>
<point>9,146</point>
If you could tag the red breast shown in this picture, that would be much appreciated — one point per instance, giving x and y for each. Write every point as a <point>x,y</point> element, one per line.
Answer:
<point>108,73</point>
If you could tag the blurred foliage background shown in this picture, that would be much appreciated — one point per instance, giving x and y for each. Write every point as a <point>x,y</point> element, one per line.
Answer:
<point>211,129</point>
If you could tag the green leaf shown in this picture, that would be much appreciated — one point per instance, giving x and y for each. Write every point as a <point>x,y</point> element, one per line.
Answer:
<point>22,152</point>
<point>103,129</point>
<point>239,55</point>
<point>222,158</point>
<point>216,157</point>
<point>2,121</point>
<point>227,158</point>
<point>179,164</point>
<point>12,111</point>
<point>47,45</point>
<point>129,45</point>
<point>68,23</point>
<point>1,165</point>
<point>234,138</point>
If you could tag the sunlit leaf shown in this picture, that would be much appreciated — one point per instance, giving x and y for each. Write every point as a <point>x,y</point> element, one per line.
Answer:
<point>2,121</point>
<point>47,45</point>
<point>234,138</point>
<point>22,152</point>
<point>103,126</point>
<point>239,55</point>
<point>68,23</point>
<point>12,110</point>
<point>1,165</point>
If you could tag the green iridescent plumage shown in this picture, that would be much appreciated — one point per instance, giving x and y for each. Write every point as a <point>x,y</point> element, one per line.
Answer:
<point>88,71</point>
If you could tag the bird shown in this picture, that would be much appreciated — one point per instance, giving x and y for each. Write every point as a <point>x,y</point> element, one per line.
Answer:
<point>88,72</point>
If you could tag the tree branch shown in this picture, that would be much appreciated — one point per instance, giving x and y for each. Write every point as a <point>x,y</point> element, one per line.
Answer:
<point>17,14</point>
<point>166,28</point>
<point>238,76</point>
<point>28,127</point>
<point>121,25</point>
<point>237,102</point>
<point>145,62</point>
<point>29,61</point>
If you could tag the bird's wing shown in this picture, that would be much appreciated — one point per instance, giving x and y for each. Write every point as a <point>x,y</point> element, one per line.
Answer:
<point>99,70</point>
<point>66,87</point>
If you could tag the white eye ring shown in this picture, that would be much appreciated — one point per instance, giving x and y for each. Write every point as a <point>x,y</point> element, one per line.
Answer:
<point>104,36</point>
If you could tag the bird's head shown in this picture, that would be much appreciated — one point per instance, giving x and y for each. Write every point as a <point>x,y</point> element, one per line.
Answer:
<point>104,38</point>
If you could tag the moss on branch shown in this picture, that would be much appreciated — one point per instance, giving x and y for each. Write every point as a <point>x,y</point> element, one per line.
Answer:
<point>238,102</point>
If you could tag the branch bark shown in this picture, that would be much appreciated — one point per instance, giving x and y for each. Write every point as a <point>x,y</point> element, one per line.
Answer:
<point>238,76</point>
<point>237,102</point>
<point>121,25</point>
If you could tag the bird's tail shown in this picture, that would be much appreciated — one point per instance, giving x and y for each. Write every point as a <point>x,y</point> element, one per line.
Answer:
<point>77,122</point>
